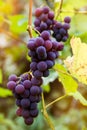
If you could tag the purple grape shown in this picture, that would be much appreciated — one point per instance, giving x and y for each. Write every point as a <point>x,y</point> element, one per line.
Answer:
<point>28,121</point>
<point>39,41</point>
<point>11,85</point>
<point>37,22</point>
<point>18,102</point>
<point>55,45</point>
<point>34,90</point>
<point>25,94</point>
<point>51,55</point>
<point>45,35</point>
<point>33,98</point>
<point>48,45</point>
<point>13,77</point>
<point>66,26</point>
<point>25,102</point>
<point>25,113</point>
<point>43,26</point>
<point>36,81</point>
<point>19,89</point>
<point>33,66</point>
<point>46,10</point>
<point>27,84</point>
<point>41,52</point>
<point>62,31</point>
<point>34,113</point>
<point>49,64</point>
<point>51,15</point>
<point>67,19</point>
<point>64,38</point>
<point>60,47</point>
<point>38,74</point>
<point>46,73</point>
<point>31,45</point>
<point>42,66</point>
<point>33,106</point>
<point>32,53</point>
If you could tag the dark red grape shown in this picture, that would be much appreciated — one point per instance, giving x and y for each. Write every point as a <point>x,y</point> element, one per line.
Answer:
<point>67,19</point>
<point>28,121</point>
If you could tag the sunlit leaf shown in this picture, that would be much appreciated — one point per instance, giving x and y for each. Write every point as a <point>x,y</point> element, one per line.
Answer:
<point>77,64</point>
<point>69,84</point>
<point>77,95</point>
<point>5,92</point>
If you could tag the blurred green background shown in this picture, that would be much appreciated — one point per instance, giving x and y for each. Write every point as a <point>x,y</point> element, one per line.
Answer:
<point>67,114</point>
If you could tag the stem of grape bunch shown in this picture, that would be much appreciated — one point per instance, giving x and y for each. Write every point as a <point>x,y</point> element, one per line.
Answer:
<point>29,28</point>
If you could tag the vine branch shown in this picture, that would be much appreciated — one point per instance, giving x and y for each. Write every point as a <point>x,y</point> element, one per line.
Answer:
<point>56,100</point>
<point>45,114</point>
<point>59,9</point>
<point>29,28</point>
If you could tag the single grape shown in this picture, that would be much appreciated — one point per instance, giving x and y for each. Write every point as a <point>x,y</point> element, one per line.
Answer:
<point>48,45</point>
<point>51,15</point>
<point>25,102</point>
<point>38,74</point>
<point>45,35</point>
<point>33,66</point>
<point>19,89</point>
<point>27,84</point>
<point>11,85</point>
<point>39,41</point>
<point>33,106</point>
<point>25,113</point>
<point>46,9</point>
<point>36,81</point>
<point>49,64</point>
<point>38,12</point>
<point>42,66</point>
<point>34,113</point>
<point>28,121</point>
<point>34,90</point>
<point>51,55</point>
<point>37,22</point>
<point>67,19</point>
<point>46,73</point>
<point>13,77</point>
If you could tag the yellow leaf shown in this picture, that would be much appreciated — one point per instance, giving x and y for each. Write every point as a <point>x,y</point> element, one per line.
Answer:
<point>77,64</point>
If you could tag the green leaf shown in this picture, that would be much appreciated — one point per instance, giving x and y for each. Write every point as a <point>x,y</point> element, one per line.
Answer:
<point>0,76</point>
<point>77,95</point>
<point>5,92</point>
<point>70,85</point>
<point>46,88</point>
<point>18,24</point>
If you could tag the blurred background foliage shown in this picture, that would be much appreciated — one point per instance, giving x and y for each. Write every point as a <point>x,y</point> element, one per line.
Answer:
<point>67,114</point>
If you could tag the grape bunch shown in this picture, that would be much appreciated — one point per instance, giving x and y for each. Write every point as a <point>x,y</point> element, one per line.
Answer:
<point>44,19</point>
<point>60,31</point>
<point>27,92</point>
<point>43,52</point>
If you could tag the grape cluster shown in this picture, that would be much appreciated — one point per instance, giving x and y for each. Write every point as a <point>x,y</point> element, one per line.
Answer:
<point>27,92</point>
<point>60,31</point>
<point>44,19</point>
<point>43,52</point>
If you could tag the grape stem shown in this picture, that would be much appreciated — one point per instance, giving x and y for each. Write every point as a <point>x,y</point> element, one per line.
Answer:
<point>59,9</point>
<point>29,27</point>
<point>56,100</point>
<point>46,115</point>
